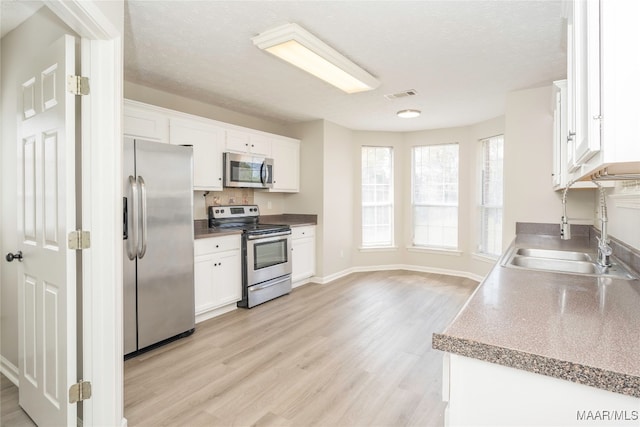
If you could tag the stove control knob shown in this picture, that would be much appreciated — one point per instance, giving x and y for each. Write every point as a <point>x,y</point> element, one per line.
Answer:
<point>221,210</point>
<point>217,210</point>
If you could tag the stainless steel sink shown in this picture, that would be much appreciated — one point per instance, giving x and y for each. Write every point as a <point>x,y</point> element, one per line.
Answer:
<point>569,262</point>
<point>553,254</point>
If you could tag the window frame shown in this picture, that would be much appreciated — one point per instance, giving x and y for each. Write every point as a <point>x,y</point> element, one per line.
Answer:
<point>483,237</point>
<point>456,205</point>
<point>390,203</point>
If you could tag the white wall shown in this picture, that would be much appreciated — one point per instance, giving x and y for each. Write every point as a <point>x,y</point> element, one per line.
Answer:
<point>310,199</point>
<point>24,41</point>
<point>338,207</point>
<point>172,101</point>
<point>623,211</point>
<point>528,193</point>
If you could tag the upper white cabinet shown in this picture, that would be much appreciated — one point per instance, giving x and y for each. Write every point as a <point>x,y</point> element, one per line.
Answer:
<point>286,165</point>
<point>143,121</point>
<point>210,139</point>
<point>246,142</point>
<point>583,81</point>
<point>208,145</point>
<point>603,87</point>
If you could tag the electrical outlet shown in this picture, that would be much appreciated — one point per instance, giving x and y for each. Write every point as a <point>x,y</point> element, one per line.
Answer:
<point>269,205</point>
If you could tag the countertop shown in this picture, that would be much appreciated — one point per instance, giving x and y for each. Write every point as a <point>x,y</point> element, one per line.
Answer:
<point>202,230</point>
<point>578,328</point>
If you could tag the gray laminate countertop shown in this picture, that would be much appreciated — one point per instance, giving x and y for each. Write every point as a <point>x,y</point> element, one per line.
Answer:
<point>202,230</point>
<point>578,328</point>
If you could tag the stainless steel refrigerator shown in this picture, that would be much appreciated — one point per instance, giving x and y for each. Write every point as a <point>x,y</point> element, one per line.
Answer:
<point>158,243</point>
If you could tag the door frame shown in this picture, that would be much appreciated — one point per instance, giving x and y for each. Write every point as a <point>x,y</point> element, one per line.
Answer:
<point>101,61</point>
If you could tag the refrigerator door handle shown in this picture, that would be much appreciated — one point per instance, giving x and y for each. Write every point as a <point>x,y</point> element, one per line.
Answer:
<point>142,243</point>
<point>132,238</point>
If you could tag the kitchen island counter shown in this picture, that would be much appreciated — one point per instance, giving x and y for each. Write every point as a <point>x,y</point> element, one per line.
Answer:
<point>578,328</point>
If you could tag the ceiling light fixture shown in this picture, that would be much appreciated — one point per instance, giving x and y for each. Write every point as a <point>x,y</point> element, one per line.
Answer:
<point>299,47</point>
<point>408,114</point>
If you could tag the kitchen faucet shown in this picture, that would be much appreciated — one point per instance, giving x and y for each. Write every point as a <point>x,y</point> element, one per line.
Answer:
<point>604,250</point>
<point>565,227</point>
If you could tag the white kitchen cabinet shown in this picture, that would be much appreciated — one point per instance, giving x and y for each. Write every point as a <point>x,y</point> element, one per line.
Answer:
<point>559,173</point>
<point>217,274</point>
<point>483,393</point>
<point>208,146</point>
<point>286,165</point>
<point>248,143</point>
<point>603,87</point>
<point>303,257</point>
<point>144,121</point>
<point>583,82</point>
<point>620,90</point>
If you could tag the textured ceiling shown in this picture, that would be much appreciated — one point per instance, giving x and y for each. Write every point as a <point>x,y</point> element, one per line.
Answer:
<point>462,57</point>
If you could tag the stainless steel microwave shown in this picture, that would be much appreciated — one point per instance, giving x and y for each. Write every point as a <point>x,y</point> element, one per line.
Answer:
<point>247,171</point>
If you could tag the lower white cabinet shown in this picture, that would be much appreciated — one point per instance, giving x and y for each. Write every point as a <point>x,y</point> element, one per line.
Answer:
<point>217,274</point>
<point>303,257</point>
<point>486,394</point>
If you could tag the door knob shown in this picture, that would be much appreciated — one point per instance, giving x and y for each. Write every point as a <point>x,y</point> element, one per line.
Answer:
<point>10,257</point>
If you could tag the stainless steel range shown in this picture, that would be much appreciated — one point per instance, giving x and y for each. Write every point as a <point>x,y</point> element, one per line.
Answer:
<point>266,253</point>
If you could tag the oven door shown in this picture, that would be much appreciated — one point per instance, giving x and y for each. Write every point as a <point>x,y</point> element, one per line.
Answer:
<point>268,256</point>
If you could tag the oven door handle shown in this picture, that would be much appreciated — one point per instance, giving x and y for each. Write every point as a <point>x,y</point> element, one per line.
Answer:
<point>267,237</point>
<point>268,285</point>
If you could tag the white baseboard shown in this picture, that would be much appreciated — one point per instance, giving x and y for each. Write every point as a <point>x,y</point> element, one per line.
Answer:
<point>9,370</point>
<point>419,268</point>
<point>215,312</point>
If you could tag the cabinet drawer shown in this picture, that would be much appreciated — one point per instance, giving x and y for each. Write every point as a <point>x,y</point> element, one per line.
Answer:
<point>216,244</point>
<point>302,232</point>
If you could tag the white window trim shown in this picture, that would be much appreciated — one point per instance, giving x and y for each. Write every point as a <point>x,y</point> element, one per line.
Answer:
<point>392,244</point>
<point>446,250</point>
<point>434,250</point>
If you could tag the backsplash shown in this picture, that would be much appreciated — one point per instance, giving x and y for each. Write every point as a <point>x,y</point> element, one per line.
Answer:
<point>230,196</point>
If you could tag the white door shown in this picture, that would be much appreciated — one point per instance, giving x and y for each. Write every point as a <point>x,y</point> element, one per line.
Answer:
<point>46,214</point>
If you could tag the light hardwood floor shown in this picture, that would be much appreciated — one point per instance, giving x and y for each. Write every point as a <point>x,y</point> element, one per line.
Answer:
<point>11,415</point>
<point>355,352</point>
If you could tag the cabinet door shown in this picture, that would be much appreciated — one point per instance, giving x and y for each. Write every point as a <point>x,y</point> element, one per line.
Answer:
<point>286,165</point>
<point>246,142</point>
<point>140,122</point>
<point>303,258</point>
<point>227,282</point>
<point>205,298</point>
<point>207,142</point>
<point>583,75</point>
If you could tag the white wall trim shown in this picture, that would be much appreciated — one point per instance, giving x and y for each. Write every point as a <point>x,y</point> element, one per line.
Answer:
<point>391,267</point>
<point>210,314</point>
<point>10,371</point>
<point>435,251</point>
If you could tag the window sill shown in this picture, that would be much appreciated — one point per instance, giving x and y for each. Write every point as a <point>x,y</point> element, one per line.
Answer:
<point>491,259</point>
<point>377,248</point>
<point>436,251</point>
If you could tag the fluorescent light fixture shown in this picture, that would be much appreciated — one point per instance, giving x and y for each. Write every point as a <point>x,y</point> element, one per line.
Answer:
<point>299,47</point>
<point>408,114</point>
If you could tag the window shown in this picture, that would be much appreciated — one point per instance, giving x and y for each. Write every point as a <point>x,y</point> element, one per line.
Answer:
<point>377,196</point>
<point>491,196</point>
<point>434,195</point>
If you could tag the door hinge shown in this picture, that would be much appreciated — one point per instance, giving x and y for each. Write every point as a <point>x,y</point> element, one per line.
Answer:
<point>79,240</point>
<point>78,85</point>
<point>80,391</point>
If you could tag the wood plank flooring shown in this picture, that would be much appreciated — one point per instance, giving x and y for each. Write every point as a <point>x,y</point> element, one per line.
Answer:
<point>355,352</point>
<point>11,414</point>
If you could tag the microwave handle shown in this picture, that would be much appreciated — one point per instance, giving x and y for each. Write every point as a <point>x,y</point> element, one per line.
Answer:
<point>264,173</point>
